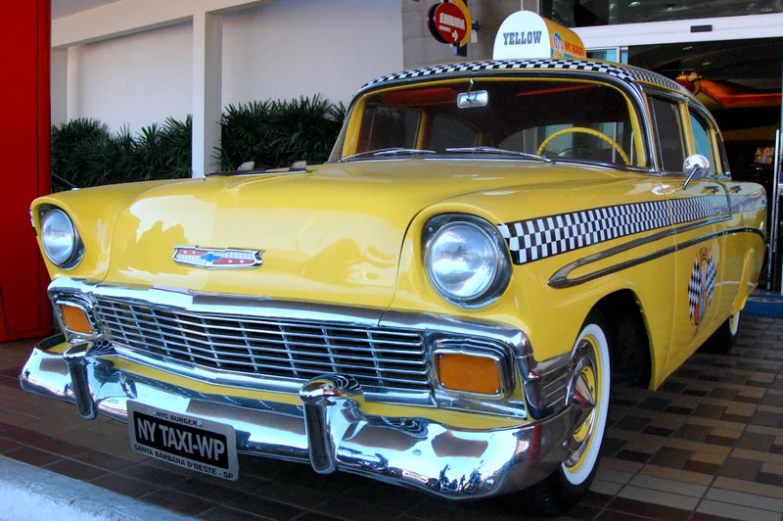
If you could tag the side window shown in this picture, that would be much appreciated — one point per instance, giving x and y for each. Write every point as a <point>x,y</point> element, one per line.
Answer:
<point>668,127</point>
<point>702,137</point>
<point>449,132</point>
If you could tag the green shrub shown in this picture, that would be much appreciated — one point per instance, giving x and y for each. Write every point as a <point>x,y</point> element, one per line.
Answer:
<point>276,133</point>
<point>271,133</point>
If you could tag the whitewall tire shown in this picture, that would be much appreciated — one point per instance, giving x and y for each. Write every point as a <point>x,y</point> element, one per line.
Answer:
<point>590,388</point>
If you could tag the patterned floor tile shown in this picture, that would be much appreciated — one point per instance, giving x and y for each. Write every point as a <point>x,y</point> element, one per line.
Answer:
<point>707,446</point>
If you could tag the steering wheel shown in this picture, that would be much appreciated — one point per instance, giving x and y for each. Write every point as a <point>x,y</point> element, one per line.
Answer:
<point>586,151</point>
<point>585,130</point>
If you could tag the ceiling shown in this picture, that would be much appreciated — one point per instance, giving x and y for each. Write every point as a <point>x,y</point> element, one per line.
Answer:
<point>61,8</point>
<point>581,13</point>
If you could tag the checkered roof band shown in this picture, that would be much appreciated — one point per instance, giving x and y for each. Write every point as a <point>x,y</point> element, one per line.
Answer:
<point>623,72</point>
<point>534,239</point>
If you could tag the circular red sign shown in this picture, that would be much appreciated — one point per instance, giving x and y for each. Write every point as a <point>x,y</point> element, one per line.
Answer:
<point>447,23</point>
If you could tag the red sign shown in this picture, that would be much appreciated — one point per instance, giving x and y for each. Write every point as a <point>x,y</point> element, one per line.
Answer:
<point>448,23</point>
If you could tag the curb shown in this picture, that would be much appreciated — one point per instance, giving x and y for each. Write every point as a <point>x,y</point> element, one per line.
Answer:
<point>29,493</point>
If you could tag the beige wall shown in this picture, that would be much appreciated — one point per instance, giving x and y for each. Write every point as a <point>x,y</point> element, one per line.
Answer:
<point>420,48</point>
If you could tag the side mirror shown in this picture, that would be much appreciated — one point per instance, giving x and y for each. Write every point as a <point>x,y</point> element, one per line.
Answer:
<point>695,166</point>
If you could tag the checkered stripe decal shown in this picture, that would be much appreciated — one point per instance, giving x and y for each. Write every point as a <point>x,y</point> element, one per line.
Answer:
<point>698,289</point>
<point>539,238</point>
<point>626,73</point>
<point>695,208</point>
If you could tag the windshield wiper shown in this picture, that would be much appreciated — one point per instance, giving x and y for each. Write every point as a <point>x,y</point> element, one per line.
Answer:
<point>387,152</point>
<point>498,151</point>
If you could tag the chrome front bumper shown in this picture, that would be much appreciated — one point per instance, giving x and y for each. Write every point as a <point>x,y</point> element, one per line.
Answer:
<point>329,430</point>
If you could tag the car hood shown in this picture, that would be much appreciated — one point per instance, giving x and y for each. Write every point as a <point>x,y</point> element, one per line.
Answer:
<point>333,233</point>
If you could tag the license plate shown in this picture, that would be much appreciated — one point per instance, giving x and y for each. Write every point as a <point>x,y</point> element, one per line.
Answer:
<point>192,443</point>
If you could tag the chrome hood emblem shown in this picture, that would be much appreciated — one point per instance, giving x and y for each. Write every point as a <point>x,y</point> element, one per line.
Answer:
<point>217,258</point>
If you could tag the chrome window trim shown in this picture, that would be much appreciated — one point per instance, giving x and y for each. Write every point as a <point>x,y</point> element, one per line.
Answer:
<point>633,89</point>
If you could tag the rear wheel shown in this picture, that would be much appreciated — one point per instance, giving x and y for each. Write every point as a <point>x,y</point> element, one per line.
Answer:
<point>555,495</point>
<point>723,339</point>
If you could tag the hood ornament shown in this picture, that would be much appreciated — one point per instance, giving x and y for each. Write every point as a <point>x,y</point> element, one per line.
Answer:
<point>216,258</point>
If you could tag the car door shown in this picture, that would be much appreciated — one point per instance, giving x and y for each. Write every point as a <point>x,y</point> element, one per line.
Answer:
<point>699,212</point>
<point>706,142</point>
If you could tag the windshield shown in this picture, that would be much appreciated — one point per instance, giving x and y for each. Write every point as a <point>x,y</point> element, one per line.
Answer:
<point>526,119</point>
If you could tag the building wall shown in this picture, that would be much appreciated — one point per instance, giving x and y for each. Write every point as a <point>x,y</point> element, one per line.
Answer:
<point>281,50</point>
<point>136,80</point>
<point>304,47</point>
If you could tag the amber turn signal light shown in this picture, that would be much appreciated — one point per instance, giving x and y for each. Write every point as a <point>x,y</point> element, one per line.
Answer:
<point>75,320</point>
<point>469,373</point>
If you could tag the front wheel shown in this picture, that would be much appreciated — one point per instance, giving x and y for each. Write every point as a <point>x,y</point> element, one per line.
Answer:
<point>558,493</point>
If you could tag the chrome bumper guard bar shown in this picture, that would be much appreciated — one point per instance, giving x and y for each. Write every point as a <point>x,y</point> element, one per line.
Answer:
<point>330,430</point>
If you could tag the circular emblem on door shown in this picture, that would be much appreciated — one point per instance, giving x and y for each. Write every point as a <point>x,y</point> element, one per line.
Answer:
<point>701,285</point>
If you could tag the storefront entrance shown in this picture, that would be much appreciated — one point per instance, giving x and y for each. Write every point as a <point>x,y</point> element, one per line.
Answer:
<point>738,80</point>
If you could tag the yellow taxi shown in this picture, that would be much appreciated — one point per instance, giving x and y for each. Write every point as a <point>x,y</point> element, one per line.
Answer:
<point>445,304</point>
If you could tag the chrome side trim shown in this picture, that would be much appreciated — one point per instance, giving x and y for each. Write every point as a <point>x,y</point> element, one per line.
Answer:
<point>562,274</point>
<point>560,279</point>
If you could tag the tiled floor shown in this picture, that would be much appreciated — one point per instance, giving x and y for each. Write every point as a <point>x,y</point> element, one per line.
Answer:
<point>707,446</point>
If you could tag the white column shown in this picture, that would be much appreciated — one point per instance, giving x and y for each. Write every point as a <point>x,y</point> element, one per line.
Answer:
<point>207,95</point>
<point>58,86</point>
<point>72,83</point>
<point>530,5</point>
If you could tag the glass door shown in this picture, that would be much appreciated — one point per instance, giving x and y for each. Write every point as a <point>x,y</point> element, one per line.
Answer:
<point>610,54</point>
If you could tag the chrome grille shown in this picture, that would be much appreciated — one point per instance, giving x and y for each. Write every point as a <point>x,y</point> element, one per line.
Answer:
<point>378,358</point>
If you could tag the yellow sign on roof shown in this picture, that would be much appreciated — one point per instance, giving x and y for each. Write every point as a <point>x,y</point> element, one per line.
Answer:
<point>525,34</point>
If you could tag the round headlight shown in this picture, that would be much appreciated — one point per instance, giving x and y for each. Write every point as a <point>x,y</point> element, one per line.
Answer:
<point>59,238</point>
<point>466,259</point>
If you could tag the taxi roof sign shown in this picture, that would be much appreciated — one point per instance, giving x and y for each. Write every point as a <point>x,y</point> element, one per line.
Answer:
<point>525,34</point>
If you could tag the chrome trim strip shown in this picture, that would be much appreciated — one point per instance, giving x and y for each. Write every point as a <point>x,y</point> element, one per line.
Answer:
<point>228,304</point>
<point>560,279</point>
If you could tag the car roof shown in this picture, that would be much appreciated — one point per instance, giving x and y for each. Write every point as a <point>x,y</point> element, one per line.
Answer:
<point>626,73</point>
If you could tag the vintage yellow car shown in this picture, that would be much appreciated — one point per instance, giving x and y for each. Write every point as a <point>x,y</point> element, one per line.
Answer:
<point>445,304</point>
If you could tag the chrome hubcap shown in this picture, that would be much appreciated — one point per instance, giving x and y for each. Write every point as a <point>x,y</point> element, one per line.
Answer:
<point>584,394</point>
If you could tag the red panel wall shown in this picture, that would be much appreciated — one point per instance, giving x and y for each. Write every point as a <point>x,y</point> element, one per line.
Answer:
<point>25,36</point>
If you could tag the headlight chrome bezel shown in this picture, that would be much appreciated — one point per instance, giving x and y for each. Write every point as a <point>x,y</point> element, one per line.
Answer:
<point>77,252</point>
<point>437,225</point>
